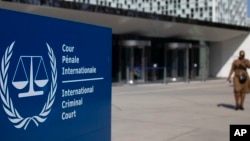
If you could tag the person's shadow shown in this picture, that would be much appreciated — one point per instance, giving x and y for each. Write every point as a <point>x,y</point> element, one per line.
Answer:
<point>229,106</point>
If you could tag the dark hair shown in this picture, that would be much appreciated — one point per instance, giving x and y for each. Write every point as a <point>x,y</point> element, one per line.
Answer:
<point>241,54</point>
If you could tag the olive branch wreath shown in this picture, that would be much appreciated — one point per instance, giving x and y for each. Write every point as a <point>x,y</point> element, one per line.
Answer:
<point>10,110</point>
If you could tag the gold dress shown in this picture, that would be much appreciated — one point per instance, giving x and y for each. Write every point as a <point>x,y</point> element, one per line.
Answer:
<point>239,67</point>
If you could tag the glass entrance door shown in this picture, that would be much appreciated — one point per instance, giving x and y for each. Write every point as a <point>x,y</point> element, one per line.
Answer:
<point>176,64</point>
<point>133,64</point>
<point>150,64</point>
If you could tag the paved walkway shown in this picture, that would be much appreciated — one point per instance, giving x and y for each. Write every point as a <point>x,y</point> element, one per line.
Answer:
<point>196,111</point>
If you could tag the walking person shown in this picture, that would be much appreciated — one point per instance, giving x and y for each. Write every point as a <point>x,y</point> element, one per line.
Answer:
<point>241,81</point>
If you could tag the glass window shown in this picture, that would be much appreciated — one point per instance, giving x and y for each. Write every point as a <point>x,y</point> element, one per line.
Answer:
<point>210,14</point>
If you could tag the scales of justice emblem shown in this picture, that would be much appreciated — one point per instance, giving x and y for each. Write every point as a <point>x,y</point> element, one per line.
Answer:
<point>30,76</point>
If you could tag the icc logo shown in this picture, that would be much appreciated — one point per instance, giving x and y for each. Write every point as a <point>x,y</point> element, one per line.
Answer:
<point>31,77</point>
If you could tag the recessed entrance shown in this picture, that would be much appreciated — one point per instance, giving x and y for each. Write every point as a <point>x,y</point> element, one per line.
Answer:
<point>143,62</point>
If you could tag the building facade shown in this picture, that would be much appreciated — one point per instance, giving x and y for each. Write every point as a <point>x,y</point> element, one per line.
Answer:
<point>222,11</point>
<point>160,40</point>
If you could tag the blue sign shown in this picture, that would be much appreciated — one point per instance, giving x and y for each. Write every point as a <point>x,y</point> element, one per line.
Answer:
<point>55,79</point>
<point>248,8</point>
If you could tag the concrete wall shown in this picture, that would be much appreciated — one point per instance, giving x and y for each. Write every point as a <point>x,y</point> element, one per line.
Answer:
<point>223,53</point>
